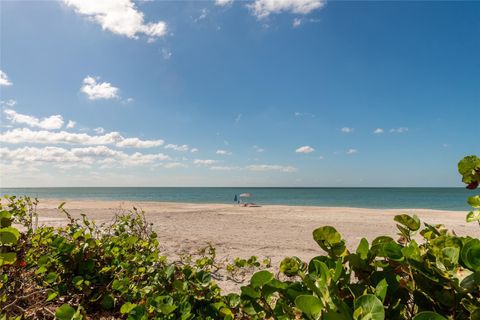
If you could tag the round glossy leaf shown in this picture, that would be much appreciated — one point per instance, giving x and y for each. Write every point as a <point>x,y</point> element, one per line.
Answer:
<point>260,278</point>
<point>65,312</point>
<point>107,302</point>
<point>330,240</point>
<point>9,236</point>
<point>5,219</point>
<point>474,201</point>
<point>470,254</point>
<point>311,306</point>
<point>8,258</point>
<point>369,307</point>
<point>428,315</point>
<point>393,251</point>
<point>412,223</point>
<point>127,307</point>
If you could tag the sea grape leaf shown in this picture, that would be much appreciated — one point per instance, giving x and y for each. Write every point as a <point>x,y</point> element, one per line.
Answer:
<point>7,258</point>
<point>369,307</point>
<point>474,201</point>
<point>5,219</point>
<point>330,240</point>
<point>393,251</point>
<point>311,306</point>
<point>260,278</point>
<point>470,254</point>
<point>473,216</point>
<point>65,312</point>
<point>381,290</point>
<point>9,236</point>
<point>411,222</point>
<point>362,249</point>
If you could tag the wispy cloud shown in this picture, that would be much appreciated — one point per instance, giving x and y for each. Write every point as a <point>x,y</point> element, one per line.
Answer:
<point>176,147</point>
<point>223,152</point>
<point>194,150</point>
<point>347,130</point>
<point>223,3</point>
<point>258,149</point>
<point>4,81</point>
<point>263,8</point>
<point>351,151</point>
<point>378,131</point>
<point>98,90</point>
<point>271,167</point>
<point>304,114</point>
<point>9,103</point>
<point>119,17</point>
<point>204,162</point>
<point>399,130</point>
<point>305,149</point>
<point>71,124</point>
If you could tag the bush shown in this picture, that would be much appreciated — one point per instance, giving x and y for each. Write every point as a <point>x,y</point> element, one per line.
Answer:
<point>110,271</point>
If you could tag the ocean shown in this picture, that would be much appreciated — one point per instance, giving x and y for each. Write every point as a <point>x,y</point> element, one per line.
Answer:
<point>393,198</point>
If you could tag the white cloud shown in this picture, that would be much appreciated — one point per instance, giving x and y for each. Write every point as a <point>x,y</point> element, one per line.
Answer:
<point>98,90</point>
<point>137,143</point>
<point>176,147</point>
<point>352,151</point>
<point>296,22</point>
<point>223,3</point>
<point>9,103</point>
<point>174,165</point>
<point>71,124</point>
<point>270,167</point>
<point>305,149</point>
<point>238,118</point>
<point>49,123</point>
<point>258,149</point>
<point>26,135</point>
<point>194,150</point>
<point>347,130</point>
<point>99,130</point>
<point>203,15</point>
<point>263,8</point>
<point>224,168</point>
<point>118,16</point>
<point>77,157</point>
<point>223,152</point>
<point>166,53</point>
<point>399,130</point>
<point>304,115</point>
<point>378,131</point>
<point>4,81</point>
<point>206,162</point>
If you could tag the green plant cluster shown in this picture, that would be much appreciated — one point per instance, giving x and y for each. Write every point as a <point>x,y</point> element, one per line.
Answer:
<point>469,168</point>
<point>117,271</point>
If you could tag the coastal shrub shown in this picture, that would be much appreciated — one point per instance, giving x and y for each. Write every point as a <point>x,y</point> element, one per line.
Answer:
<point>117,271</point>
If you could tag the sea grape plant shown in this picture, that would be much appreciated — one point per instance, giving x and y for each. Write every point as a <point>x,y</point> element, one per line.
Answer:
<point>469,168</point>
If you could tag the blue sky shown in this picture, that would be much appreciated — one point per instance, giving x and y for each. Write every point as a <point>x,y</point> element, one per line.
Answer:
<point>261,93</point>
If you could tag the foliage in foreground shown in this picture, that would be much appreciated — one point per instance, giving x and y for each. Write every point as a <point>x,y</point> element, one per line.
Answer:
<point>117,271</point>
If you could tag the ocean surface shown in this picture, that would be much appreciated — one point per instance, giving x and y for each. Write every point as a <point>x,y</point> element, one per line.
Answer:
<point>427,198</point>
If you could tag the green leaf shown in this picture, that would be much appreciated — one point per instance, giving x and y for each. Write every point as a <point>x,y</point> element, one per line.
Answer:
<point>428,315</point>
<point>470,254</point>
<point>9,236</point>
<point>311,306</point>
<point>127,307</point>
<point>5,219</point>
<point>369,307</point>
<point>107,302</point>
<point>381,290</point>
<point>393,251</point>
<point>412,223</point>
<point>291,266</point>
<point>7,258</point>
<point>473,216</point>
<point>51,277</point>
<point>474,201</point>
<point>362,249</point>
<point>260,278</point>
<point>65,312</point>
<point>330,240</point>
<point>52,295</point>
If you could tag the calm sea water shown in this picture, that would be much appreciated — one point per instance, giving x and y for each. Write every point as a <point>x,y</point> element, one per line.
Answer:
<point>429,198</point>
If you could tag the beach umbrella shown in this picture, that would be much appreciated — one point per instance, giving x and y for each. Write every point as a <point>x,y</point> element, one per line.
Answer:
<point>246,194</point>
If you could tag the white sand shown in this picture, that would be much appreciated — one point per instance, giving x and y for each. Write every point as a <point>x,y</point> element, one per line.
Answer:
<point>269,231</point>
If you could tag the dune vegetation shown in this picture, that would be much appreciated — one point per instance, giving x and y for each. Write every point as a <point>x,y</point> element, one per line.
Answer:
<point>89,271</point>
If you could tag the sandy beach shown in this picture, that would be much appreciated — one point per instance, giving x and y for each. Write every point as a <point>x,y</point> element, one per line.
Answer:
<point>269,231</point>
